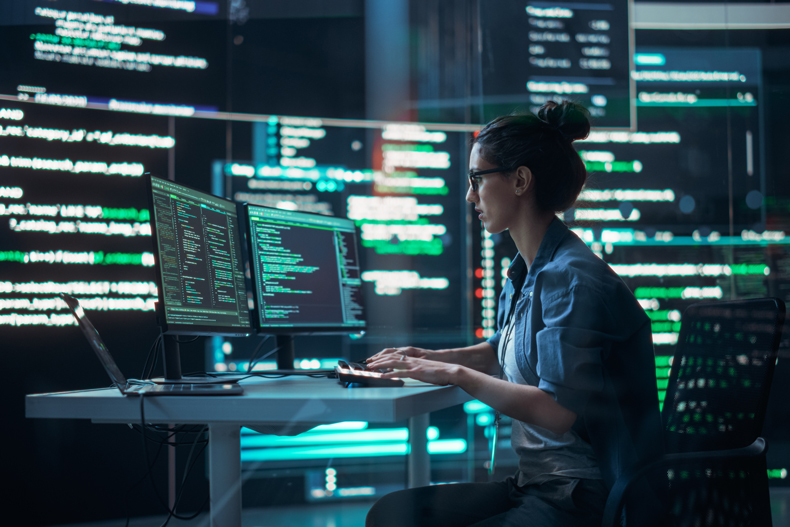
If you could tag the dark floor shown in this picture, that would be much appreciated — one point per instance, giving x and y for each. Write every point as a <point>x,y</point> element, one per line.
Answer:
<point>352,514</point>
<point>780,506</point>
<point>348,514</point>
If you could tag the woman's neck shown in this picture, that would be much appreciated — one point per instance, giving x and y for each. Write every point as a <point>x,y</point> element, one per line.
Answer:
<point>529,232</point>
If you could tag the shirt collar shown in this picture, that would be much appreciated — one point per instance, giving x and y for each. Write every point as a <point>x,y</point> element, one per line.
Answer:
<point>548,246</point>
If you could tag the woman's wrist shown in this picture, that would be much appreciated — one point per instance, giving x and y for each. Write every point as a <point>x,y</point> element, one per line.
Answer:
<point>444,355</point>
<point>466,378</point>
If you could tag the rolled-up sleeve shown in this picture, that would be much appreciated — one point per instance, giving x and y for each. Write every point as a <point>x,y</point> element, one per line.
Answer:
<point>494,341</point>
<point>501,316</point>
<point>572,346</point>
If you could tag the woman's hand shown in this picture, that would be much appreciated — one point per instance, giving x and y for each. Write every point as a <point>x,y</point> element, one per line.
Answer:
<point>408,351</point>
<point>480,357</point>
<point>403,365</point>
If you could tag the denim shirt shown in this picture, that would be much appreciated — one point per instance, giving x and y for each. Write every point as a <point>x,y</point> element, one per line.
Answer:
<point>580,332</point>
<point>544,455</point>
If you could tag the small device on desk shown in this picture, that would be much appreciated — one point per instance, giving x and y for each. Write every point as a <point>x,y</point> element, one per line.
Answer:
<point>353,373</point>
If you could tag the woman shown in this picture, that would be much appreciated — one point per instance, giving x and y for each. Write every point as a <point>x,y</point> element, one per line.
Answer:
<point>572,361</point>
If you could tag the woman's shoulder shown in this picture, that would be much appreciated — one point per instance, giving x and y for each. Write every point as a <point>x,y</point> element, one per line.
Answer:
<point>574,264</point>
<point>577,279</point>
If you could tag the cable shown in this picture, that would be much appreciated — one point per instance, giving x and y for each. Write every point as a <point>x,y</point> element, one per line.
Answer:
<point>181,429</point>
<point>149,466</point>
<point>251,365</point>
<point>166,441</point>
<point>153,356</point>
<point>129,490</point>
<point>154,346</point>
<point>156,357</point>
<point>171,440</point>
<point>149,365</point>
<point>187,470</point>
<point>252,360</point>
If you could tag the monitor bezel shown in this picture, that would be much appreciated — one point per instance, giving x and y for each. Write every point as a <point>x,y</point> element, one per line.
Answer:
<point>293,330</point>
<point>188,329</point>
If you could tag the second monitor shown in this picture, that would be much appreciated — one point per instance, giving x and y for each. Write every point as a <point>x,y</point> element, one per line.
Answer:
<point>199,267</point>
<point>306,275</point>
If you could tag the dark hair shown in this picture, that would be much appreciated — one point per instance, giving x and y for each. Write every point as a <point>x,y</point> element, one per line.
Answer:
<point>541,143</point>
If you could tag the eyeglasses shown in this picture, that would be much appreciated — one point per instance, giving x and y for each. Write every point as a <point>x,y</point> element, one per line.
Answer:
<point>475,176</point>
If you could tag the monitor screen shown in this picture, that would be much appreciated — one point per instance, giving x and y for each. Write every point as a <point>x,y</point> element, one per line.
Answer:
<point>305,271</point>
<point>199,263</point>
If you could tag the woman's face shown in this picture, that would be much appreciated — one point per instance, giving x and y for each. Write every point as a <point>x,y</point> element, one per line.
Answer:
<point>495,198</point>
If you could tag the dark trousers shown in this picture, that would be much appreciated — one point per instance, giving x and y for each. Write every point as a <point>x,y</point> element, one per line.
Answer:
<point>562,502</point>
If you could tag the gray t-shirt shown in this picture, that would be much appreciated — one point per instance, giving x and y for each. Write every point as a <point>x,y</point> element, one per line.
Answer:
<point>542,454</point>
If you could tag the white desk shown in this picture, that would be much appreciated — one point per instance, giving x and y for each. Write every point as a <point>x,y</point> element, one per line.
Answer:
<point>293,401</point>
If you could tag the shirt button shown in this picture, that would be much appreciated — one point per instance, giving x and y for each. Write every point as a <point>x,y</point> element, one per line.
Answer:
<point>530,294</point>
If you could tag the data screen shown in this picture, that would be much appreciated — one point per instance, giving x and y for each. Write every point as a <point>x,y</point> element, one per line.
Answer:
<point>150,59</point>
<point>306,270</point>
<point>199,258</point>
<point>403,187</point>
<point>535,51</point>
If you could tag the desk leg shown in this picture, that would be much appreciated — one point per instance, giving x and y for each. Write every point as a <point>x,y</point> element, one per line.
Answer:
<point>419,460</point>
<point>224,460</point>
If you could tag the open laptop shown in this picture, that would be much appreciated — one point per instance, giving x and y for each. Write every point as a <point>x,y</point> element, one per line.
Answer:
<point>139,388</point>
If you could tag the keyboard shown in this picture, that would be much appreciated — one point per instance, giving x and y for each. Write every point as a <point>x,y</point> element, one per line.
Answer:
<point>364,377</point>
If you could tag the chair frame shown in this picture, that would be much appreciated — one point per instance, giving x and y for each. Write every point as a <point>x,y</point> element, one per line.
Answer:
<point>615,502</point>
<point>616,499</point>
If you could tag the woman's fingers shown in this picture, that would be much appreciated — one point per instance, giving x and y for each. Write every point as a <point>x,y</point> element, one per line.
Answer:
<point>399,363</point>
<point>378,356</point>
<point>423,370</point>
<point>407,351</point>
<point>388,363</point>
<point>396,374</point>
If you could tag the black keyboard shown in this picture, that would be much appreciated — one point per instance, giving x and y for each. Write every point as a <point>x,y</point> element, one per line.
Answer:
<point>364,377</point>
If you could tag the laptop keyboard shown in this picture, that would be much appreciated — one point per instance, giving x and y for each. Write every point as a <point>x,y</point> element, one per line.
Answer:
<point>183,388</point>
<point>177,387</point>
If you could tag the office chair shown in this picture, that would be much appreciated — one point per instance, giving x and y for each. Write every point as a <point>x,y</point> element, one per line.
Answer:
<point>714,470</point>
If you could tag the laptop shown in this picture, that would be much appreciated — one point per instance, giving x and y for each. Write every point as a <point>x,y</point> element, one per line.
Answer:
<point>138,388</point>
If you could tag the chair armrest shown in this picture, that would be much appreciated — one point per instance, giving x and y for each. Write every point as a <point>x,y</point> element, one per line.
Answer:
<point>614,503</point>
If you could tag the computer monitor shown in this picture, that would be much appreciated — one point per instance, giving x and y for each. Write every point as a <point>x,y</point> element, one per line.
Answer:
<point>199,266</point>
<point>305,275</point>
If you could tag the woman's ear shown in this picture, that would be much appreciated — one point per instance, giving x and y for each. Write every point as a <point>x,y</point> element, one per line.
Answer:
<point>523,180</point>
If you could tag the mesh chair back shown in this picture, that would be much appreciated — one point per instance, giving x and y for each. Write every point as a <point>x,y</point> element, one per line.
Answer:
<point>724,492</point>
<point>721,374</point>
<point>716,401</point>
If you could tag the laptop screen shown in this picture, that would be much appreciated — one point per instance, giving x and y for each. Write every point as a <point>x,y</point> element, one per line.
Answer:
<point>96,342</point>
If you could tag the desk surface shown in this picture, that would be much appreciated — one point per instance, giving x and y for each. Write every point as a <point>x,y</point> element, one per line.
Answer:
<point>286,406</point>
<point>265,401</point>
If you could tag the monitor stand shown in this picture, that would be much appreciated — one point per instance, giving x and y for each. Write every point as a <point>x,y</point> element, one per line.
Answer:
<point>171,355</point>
<point>171,358</point>
<point>285,354</point>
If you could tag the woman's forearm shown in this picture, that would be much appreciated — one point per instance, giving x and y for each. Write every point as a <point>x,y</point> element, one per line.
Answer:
<point>480,357</point>
<point>470,369</point>
<point>525,403</point>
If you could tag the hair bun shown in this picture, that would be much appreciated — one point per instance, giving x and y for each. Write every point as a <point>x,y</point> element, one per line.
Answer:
<point>569,119</point>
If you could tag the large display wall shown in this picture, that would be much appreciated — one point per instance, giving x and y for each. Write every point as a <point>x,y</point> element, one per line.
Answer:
<point>687,206</point>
